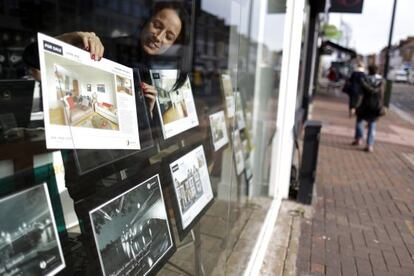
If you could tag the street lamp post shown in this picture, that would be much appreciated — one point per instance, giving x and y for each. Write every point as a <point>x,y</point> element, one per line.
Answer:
<point>388,84</point>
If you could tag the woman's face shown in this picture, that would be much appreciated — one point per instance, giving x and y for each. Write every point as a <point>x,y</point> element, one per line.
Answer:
<point>160,32</point>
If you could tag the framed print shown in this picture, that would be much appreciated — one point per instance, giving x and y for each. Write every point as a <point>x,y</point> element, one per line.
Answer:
<point>29,242</point>
<point>82,109</point>
<point>218,130</point>
<point>132,232</point>
<point>192,188</point>
<point>100,88</point>
<point>175,106</point>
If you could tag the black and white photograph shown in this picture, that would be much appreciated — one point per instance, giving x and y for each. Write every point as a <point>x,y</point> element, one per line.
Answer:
<point>175,104</point>
<point>218,130</point>
<point>192,185</point>
<point>29,242</point>
<point>131,231</point>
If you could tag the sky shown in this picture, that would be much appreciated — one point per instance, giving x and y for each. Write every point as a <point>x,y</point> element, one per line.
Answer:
<point>370,29</point>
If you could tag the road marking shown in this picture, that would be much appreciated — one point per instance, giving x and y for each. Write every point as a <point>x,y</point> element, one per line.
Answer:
<point>402,114</point>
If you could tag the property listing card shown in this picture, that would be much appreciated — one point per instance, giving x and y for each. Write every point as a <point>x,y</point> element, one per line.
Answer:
<point>29,241</point>
<point>132,232</point>
<point>240,121</point>
<point>228,95</point>
<point>87,104</point>
<point>175,104</point>
<point>218,130</point>
<point>238,152</point>
<point>192,185</point>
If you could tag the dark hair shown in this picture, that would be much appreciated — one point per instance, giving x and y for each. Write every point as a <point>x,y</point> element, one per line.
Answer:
<point>183,37</point>
<point>372,69</point>
<point>183,62</point>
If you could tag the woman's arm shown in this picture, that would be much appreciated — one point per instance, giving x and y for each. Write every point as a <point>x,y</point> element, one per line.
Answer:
<point>88,41</point>
<point>368,87</point>
<point>150,93</point>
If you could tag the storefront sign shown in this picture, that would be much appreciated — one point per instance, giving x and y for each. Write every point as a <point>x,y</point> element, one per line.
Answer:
<point>346,6</point>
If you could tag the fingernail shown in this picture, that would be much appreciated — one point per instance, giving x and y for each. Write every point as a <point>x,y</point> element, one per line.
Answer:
<point>99,58</point>
<point>87,48</point>
<point>93,56</point>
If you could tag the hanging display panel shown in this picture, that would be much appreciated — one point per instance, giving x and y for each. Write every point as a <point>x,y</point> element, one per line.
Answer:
<point>238,152</point>
<point>132,232</point>
<point>227,88</point>
<point>218,130</point>
<point>87,105</point>
<point>192,188</point>
<point>29,242</point>
<point>175,102</point>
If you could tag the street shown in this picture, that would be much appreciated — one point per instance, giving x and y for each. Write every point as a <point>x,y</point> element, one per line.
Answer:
<point>403,97</point>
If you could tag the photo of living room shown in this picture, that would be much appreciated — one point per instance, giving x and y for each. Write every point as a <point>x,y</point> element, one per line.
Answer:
<point>172,103</point>
<point>80,96</point>
<point>123,85</point>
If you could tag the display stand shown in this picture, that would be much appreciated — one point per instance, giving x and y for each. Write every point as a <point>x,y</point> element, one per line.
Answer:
<point>196,241</point>
<point>199,268</point>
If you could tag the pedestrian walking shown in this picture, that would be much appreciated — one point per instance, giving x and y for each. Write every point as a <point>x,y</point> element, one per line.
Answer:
<point>352,87</point>
<point>369,107</point>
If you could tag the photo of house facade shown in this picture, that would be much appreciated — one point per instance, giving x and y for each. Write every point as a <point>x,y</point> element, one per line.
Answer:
<point>192,185</point>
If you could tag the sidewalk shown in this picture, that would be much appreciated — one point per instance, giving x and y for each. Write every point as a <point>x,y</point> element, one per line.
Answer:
<point>363,222</point>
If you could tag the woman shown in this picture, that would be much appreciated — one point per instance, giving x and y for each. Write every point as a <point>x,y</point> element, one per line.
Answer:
<point>165,28</point>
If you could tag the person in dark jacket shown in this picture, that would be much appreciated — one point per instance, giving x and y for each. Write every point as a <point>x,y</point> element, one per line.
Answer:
<point>354,87</point>
<point>369,107</point>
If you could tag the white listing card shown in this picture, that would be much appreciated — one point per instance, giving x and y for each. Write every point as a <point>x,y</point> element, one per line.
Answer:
<point>175,105</point>
<point>228,95</point>
<point>87,104</point>
<point>238,152</point>
<point>218,130</point>
<point>192,185</point>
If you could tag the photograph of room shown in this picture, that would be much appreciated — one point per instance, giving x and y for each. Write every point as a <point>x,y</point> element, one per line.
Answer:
<point>80,95</point>
<point>217,129</point>
<point>172,103</point>
<point>123,85</point>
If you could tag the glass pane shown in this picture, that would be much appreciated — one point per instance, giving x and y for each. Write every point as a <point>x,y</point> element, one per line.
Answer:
<point>156,158</point>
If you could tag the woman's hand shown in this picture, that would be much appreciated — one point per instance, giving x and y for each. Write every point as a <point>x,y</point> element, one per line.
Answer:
<point>88,41</point>
<point>150,93</point>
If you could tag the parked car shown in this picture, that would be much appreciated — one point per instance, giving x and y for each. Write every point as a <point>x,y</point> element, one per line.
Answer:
<point>400,76</point>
